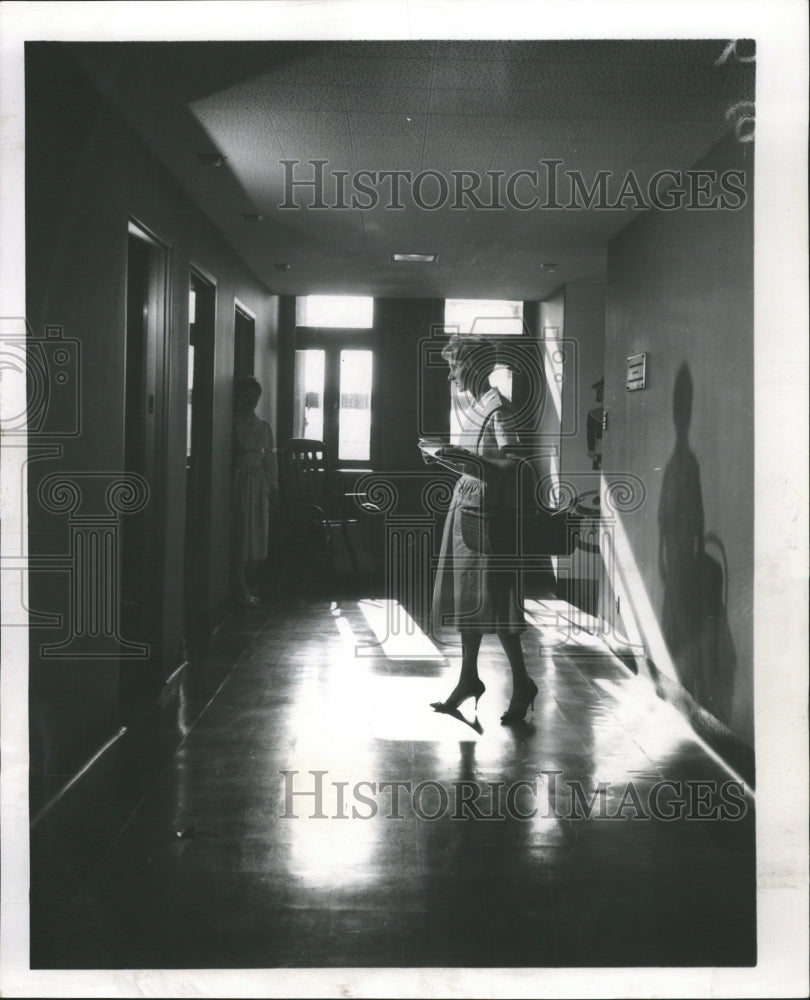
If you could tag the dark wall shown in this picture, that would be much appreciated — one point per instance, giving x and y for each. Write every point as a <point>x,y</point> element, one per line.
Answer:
<point>87,174</point>
<point>680,289</point>
<point>409,393</point>
<point>585,328</point>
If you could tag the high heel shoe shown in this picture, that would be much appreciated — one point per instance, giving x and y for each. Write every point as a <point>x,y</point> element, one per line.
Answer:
<point>520,705</point>
<point>455,701</point>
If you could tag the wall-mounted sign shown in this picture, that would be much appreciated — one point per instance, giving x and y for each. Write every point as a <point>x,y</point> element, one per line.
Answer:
<point>636,372</point>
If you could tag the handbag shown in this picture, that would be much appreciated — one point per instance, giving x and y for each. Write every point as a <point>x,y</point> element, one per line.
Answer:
<point>535,533</point>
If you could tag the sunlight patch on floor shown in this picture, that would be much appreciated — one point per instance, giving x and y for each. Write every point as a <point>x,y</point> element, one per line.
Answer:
<point>398,635</point>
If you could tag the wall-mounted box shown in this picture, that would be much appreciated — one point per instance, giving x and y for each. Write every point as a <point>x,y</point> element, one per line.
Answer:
<point>636,372</point>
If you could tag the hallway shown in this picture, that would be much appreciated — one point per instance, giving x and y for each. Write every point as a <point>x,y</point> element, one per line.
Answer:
<point>207,871</point>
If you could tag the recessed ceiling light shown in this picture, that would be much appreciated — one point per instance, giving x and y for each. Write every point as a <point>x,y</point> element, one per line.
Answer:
<point>211,159</point>
<point>415,258</point>
<point>252,217</point>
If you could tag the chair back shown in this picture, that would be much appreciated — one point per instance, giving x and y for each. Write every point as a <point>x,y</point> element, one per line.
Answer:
<point>305,471</point>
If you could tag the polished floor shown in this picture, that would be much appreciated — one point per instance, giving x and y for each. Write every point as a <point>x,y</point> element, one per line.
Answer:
<point>216,865</point>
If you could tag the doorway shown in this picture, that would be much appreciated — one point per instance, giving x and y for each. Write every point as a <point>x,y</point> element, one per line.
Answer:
<point>199,444</point>
<point>142,563</point>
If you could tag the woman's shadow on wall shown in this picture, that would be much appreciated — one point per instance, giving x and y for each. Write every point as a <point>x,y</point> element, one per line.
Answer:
<point>694,618</point>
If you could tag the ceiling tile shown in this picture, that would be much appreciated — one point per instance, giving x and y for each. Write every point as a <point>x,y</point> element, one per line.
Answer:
<point>559,78</point>
<point>566,51</point>
<point>405,100</point>
<point>393,228</point>
<point>387,153</point>
<point>628,51</point>
<point>470,102</point>
<point>683,52</point>
<point>683,142</point>
<point>367,71</point>
<point>336,150</point>
<point>612,138</point>
<point>517,155</point>
<point>541,131</point>
<point>310,123</point>
<point>329,224</point>
<point>278,97</point>
<point>484,50</point>
<point>372,124</point>
<point>478,74</point>
<point>484,127</point>
<point>446,154</point>
<point>318,68</point>
<point>691,81</point>
<point>669,107</point>
<point>390,50</point>
<point>227,123</point>
<point>557,103</point>
<point>242,96</point>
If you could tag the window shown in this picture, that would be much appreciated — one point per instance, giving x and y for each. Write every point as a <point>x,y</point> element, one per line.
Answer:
<point>354,417</point>
<point>484,318</point>
<point>335,311</point>
<point>333,386</point>
<point>308,394</point>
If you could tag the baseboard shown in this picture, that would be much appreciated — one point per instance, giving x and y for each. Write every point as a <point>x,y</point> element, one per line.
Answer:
<point>736,753</point>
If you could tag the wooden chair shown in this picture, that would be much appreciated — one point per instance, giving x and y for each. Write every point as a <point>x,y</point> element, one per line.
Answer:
<point>318,513</point>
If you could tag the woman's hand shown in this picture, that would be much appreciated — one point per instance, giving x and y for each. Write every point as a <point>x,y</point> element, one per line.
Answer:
<point>462,461</point>
<point>458,460</point>
<point>430,447</point>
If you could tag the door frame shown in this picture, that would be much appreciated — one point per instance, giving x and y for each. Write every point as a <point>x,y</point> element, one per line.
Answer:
<point>202,414</point>
<point>156,436</point>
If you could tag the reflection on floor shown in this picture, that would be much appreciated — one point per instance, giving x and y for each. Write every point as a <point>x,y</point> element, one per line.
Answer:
<point>223,864</point>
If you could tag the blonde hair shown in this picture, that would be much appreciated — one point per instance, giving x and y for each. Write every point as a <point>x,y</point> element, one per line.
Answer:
<point>479,353</point>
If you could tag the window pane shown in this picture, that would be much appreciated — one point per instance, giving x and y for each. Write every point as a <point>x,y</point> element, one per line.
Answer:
<point>354,428</point>
<point>501,378</point>
<point>485,317</point>
<point>355,311</point>
<point>308,395</point>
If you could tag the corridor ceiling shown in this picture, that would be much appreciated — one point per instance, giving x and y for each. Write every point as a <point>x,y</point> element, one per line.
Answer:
<point>444,106</point>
